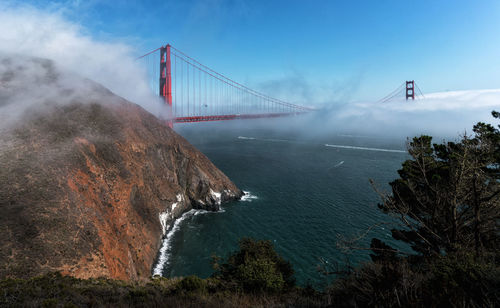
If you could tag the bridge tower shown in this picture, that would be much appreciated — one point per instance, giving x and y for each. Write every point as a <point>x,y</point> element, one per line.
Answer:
<point>166,81</point>
<point>410,90</point>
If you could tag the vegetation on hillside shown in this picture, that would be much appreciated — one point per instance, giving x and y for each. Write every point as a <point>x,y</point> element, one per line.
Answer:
<point>446,203</point>
<point>255,267</point>
<point>448,195</point>
<point>253,276</point>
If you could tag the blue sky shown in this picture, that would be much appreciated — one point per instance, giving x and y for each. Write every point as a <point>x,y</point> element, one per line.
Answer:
<point>350,50</point>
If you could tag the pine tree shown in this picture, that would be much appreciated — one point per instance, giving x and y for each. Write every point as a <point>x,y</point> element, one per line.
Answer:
<point>448,195</point>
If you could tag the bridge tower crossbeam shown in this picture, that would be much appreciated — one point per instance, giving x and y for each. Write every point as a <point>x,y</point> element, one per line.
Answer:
<point>410,90</point>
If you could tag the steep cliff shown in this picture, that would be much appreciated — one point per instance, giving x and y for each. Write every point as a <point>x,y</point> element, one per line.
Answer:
<point>89,182</point>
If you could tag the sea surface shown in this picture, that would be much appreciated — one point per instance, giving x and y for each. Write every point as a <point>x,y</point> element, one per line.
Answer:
<point>302,193</point>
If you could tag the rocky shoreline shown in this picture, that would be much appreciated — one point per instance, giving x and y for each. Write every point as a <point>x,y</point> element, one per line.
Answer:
<point>170,220</point>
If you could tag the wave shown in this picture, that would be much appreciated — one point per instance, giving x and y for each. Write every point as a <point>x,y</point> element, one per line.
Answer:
<point>248,197</point>
<point>246,138</point>
<point>339,164</point>
<point>363,148</point>
<point>166,245</point>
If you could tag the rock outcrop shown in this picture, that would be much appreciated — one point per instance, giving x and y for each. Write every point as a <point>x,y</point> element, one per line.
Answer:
<point>90,182</point>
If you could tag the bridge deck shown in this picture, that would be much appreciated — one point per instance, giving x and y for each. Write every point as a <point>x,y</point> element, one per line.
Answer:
<point>233,117</point>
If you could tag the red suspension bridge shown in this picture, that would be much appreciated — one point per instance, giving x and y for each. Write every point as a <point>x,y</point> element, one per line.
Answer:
<point>408,89</point>
<point>196,93</point>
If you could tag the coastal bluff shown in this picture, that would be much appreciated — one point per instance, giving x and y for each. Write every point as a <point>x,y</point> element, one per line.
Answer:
<point>89,182</point>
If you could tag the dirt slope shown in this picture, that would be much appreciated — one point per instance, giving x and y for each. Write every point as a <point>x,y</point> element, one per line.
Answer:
<point>89,182</point>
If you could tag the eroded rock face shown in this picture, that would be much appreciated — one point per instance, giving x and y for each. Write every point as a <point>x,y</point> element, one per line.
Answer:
<point>90,183</point>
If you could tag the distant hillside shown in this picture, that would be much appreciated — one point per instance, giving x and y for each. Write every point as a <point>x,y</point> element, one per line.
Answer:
<point>86,177</point>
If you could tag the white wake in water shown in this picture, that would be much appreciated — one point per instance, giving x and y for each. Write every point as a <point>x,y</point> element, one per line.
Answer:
<point>248,197</point>
<point>265,139</point>
<point>328,145</point>
<point>166,245</point>
<point>363,148</point>
<point>339,164</point>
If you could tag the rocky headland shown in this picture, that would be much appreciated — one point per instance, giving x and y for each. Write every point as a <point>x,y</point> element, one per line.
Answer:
<point>89,182</point>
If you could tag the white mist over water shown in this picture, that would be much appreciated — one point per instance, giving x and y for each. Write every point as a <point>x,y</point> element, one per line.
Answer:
<point>443,114</point>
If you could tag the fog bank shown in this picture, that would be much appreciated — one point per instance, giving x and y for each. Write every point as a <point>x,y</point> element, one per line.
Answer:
<point>30,32</point>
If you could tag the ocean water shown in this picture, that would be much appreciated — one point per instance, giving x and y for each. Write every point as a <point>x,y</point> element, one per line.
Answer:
<point>302,194</point>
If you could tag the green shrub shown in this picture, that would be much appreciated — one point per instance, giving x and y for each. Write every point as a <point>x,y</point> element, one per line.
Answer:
<point>255,267</point>
<point>463,279</point>
<point>446,281</point>
<point>49,303</point>
<point>191,283</point>
<point>260,274</point>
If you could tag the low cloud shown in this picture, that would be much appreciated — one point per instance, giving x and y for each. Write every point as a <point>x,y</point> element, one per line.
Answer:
<point>28,31</point>
<point>443,115</point>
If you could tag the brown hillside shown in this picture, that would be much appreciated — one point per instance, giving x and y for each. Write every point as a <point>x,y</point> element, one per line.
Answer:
<point>85,175</point>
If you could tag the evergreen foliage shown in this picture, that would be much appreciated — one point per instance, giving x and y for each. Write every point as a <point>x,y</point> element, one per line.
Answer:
<point>447,205</point>
<point>448,195</point>
<point>256,267</point>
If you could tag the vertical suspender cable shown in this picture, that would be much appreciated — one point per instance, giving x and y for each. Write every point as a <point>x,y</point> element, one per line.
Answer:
<point>199,92</point>
<point>194,92</point>
<point>175,86</point>
<point>182,88</point>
